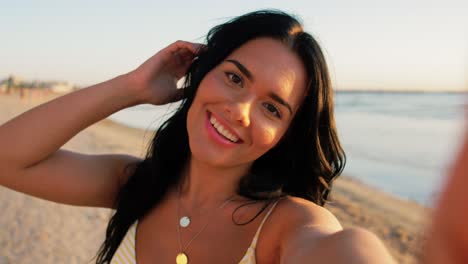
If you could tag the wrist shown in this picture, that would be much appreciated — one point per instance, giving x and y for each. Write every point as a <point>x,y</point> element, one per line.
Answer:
<point>132,88</point>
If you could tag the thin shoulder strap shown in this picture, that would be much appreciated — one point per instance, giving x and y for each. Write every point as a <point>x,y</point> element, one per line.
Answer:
<point>254,241</point>
<point>125,253</point>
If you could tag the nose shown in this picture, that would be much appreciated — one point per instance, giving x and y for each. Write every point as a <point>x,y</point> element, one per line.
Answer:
<point>239,112</point>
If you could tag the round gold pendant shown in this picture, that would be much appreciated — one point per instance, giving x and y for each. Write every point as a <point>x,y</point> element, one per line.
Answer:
<point>181,258</point>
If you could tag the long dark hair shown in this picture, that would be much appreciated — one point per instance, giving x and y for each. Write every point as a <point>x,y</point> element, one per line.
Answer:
<point>303,164</point>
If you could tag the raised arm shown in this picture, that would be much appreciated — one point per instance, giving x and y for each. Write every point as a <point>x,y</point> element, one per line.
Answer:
<point>30,157</point>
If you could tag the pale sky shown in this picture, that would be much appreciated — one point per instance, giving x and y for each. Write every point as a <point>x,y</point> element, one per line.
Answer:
<point>372,45</point>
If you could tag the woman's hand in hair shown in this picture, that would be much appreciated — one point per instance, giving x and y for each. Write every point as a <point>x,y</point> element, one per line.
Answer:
<point>156,79</point>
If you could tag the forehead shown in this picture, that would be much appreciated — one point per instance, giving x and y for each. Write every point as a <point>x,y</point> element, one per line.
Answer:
<point>274,68</point>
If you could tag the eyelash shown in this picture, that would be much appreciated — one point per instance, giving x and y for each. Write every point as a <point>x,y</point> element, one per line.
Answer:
<point>277,114</point>
<point>230,75</point>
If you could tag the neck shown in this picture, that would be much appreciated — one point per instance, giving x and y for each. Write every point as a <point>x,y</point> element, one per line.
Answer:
<point>206,186</point>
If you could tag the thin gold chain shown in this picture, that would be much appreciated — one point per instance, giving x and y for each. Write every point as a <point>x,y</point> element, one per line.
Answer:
<point>199,232</point>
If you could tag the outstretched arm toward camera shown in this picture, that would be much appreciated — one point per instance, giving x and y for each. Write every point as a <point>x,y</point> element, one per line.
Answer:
<point>350,246</point>
<point>317,237</point>
<point>30,157</point>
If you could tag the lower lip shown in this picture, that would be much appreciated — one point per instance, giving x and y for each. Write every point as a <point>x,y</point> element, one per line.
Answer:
<point>214,134</point>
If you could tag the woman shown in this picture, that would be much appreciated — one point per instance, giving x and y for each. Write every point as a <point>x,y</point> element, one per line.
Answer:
<point>253,140</point>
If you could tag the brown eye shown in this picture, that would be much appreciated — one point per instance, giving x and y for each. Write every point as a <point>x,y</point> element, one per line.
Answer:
<point>235,79</point>
<point>272,109</point>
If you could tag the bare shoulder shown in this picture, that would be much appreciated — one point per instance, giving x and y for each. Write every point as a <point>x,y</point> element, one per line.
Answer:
<point>310,232</point>
<point>301,222</point>
<point>297,212</point>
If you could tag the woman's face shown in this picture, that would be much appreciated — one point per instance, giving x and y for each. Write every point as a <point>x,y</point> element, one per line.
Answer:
<point>245,105</point>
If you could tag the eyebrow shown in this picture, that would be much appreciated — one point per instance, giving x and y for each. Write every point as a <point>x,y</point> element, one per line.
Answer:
<point>242,68</point>
<point>249,75</point>
<point>280,100</point>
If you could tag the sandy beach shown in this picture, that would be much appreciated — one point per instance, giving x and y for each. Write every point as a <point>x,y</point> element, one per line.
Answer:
<point>38,231</point>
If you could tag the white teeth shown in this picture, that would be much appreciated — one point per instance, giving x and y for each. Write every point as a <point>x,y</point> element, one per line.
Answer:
<point>222,130</point>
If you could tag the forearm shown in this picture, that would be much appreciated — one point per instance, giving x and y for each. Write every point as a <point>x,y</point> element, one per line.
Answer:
<point>352,245</point>
<point>34,135</point>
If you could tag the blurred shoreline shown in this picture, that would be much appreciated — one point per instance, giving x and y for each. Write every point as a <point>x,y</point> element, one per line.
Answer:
<point>36,230</point>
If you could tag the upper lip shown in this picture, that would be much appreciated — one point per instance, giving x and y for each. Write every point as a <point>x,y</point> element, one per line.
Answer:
<point>226,126</point>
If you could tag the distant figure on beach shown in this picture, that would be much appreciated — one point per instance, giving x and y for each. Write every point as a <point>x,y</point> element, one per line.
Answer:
<point>9,84</point>
<point>238,174</point>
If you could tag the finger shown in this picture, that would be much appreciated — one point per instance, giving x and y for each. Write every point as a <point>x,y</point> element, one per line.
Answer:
<point>180,44</point>
<point>182,60</point>
<point>165,54</point>
<point>186,56</point>
<point>177,58</point>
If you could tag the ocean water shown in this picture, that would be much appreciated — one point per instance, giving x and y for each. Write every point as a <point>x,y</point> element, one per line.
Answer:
<point>401,143</point>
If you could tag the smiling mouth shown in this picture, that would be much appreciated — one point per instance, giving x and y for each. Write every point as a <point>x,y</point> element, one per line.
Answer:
<point>222,131</point>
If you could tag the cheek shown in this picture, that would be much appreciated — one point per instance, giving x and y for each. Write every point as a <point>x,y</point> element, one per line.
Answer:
<point>204,92</point>
<point>211,85</point>
<point>267,137</point>
<point>210,90</point>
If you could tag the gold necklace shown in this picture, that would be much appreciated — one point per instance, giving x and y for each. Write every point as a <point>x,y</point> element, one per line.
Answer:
<point>182,257</point>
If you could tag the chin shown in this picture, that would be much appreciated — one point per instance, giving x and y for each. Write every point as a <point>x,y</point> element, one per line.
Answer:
<point>209,157</point>
<point>213,158</point>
